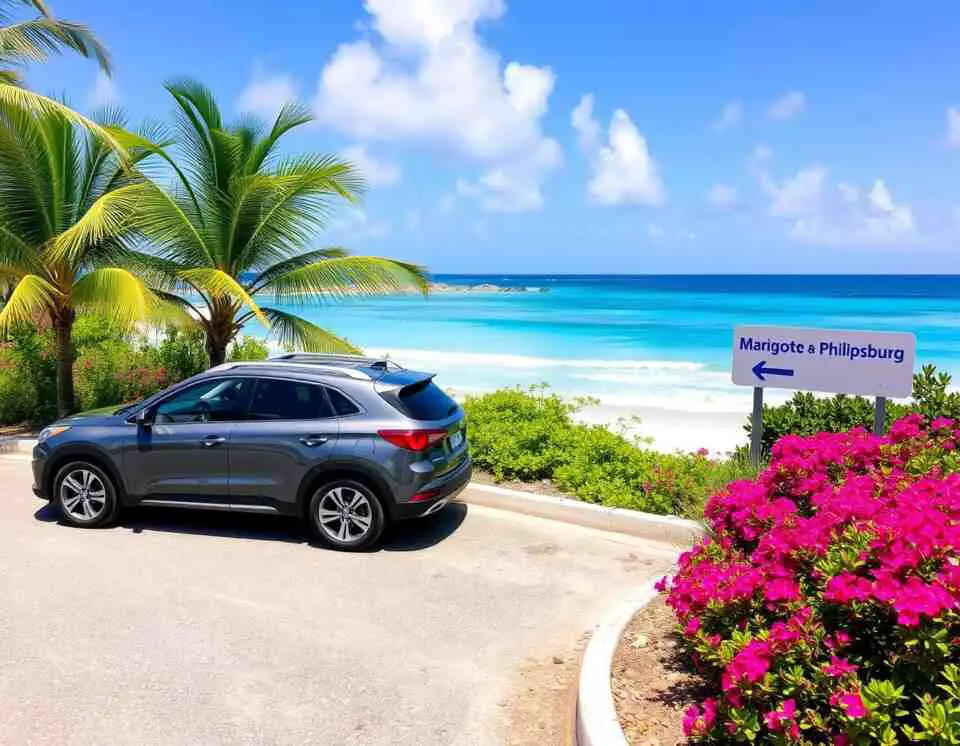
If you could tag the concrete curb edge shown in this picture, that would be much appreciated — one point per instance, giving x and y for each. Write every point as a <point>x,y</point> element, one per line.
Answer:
<point>17,445</point>
<point>662,528</point>
<point>597,721</point>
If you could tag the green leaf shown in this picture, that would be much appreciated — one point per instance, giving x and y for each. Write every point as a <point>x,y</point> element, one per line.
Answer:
<point>32,295</point>
<point>298,333</point>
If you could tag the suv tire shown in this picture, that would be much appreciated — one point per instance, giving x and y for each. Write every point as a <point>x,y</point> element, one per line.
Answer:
<point>85,495</point>
<point>346,515</point>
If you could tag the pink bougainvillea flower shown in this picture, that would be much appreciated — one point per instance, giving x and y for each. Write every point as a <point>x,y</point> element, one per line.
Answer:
<point>851,703</point>
<point>839,667</point>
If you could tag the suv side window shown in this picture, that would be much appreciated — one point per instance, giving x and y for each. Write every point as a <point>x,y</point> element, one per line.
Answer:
<point>341,404</point>
<point>215,400</point>
<point>275,399</point>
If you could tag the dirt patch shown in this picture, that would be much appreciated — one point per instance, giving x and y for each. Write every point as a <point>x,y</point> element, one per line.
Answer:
<point>541,710</point>
<point>652,685</point>
<point>543,487</point>
<point>18,431</point>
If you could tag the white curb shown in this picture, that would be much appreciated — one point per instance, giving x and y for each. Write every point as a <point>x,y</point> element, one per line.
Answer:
<point>662,528</point>
<point>17,445</point>
<point>597,721</point>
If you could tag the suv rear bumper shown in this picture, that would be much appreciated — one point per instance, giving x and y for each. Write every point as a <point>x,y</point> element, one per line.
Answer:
<point>438,493</point>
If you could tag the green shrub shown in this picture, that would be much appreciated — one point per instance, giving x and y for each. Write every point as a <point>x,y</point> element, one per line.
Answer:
<point>181,353</point>
<point>517,434</point>
<point>248,348</point>
<point>531,435</point>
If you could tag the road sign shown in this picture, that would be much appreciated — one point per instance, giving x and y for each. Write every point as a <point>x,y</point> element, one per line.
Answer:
<point>829,360</point>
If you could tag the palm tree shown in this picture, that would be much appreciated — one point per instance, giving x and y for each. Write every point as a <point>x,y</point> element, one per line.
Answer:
<point>233,227</point>
<point>58,248</point>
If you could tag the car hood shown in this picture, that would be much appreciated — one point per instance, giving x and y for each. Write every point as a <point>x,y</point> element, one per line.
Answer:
<point>87,419</point>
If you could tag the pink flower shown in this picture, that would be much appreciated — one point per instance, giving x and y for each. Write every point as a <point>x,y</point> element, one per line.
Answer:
<point>692,626</point>
<point>697,722</point>
<point>749,665</point>
<point>839,667</point>
<point>851,703</point>
<point>777,719</point>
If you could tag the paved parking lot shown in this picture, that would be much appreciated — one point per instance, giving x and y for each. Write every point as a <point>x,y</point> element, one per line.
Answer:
<point>178,628</point>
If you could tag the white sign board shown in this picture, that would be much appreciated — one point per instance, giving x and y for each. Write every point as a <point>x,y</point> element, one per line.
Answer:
<point>829,360</point>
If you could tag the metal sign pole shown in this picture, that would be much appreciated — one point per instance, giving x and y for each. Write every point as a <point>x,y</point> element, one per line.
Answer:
<point>756,427</point>
<point>879,415</point>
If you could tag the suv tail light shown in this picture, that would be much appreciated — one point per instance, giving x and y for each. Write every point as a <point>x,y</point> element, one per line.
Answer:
<point>413,440</point>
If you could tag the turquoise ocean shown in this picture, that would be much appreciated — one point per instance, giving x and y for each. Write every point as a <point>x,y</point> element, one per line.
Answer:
<point>634,341</point>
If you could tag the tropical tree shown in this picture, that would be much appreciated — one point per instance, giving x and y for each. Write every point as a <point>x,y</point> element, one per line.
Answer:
<point>34,40</point>
<point>58,250</point>
<point>233,226</point>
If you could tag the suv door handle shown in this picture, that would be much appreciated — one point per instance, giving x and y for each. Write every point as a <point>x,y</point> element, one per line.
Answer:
<point>213,440</point>
<point>312,441</point>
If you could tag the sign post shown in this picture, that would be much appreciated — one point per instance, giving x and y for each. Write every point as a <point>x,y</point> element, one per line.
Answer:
<point>833,361</point>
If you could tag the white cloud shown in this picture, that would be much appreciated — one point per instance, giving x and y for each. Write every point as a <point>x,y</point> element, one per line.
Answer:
<point>584,123</point>
<point>760,157</point>
<point>624,172</point>
<point>427,77</point>
<point>842,216</point>
<point>376,171</point>
<point>103,93</point>
<point>848,193</point>
<point>797,195</point>
<point>356,225</point>
<point>722,196</point>
<point>953,127</point>
<point>266,94</point>
<point>730,116</point>
<point>787,106</point>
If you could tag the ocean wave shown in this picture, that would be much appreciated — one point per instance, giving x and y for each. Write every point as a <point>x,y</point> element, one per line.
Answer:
<point>498,360</point>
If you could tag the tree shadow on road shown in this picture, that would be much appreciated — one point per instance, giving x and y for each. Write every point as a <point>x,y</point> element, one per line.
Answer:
<point>407,536</point>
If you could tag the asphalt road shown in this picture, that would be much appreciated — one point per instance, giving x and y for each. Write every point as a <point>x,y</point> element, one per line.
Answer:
<point>177,628</point>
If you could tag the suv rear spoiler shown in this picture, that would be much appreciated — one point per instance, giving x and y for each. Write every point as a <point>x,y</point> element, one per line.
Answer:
<point>391,384</point>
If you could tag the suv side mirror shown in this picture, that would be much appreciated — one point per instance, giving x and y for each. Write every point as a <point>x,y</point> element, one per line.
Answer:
<point>145,418</point>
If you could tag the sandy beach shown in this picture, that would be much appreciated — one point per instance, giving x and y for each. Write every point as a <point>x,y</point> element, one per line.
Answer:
<point>673,430</point>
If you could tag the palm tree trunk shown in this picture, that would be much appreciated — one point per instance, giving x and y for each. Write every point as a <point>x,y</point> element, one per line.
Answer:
<point>220,331</point>
<point>63,329</point>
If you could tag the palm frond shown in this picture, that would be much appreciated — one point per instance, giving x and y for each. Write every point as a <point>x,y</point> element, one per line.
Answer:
<point>38,105</point>
<point>32,294</point>
<point>39,38</point>
<point>292,115</point>
<point>296,262</point>
<point>344,276</point>
<point>218,283</point>
<point>296,332</point>
<point>118,294</point>
<point>112,215</point>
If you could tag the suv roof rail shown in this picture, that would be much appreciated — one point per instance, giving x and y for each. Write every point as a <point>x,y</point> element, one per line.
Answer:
<point>347,361</point>
<point>343,372</point>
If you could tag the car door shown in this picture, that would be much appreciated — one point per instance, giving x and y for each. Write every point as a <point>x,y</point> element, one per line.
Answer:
<point>181,455</point>
<point>289,428</point>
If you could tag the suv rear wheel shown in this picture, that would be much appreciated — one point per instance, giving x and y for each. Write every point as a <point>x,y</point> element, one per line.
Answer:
<point>346,515</point>
<point>85,494</point>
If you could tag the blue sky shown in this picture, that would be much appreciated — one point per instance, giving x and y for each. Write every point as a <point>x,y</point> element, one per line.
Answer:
<point>610,136</point>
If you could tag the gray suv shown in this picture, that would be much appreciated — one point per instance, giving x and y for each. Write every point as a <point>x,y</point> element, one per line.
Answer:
<point>350,443</point>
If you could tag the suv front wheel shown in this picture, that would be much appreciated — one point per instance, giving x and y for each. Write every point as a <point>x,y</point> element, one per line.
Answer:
<point>346,515</point>
<point>85,494</point>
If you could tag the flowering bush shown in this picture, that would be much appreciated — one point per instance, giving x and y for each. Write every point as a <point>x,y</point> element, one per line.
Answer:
<point>824,609</point>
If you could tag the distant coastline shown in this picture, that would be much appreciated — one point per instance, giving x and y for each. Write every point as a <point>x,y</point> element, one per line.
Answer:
<point>483,287</point>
